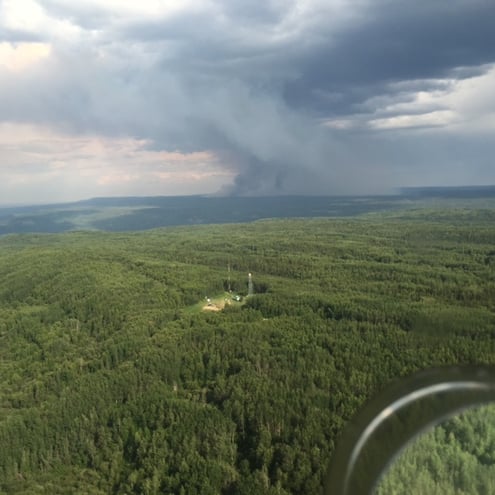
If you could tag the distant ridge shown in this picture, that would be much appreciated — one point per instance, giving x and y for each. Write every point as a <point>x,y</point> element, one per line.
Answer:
<point>141,213</point>
<point>449,192</point>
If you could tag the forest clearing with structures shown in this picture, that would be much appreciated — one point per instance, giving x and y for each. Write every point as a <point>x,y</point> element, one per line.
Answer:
<point>113,380</point>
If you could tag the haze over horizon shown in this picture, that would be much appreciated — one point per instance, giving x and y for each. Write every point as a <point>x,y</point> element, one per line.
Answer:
<point>122,98</point>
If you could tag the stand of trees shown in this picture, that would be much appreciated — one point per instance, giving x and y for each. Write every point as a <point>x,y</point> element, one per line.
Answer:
<point>113,381</point>
<point>456,458</point>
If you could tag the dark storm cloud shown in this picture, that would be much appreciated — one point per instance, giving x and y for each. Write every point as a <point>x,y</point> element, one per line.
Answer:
<point>395,41</point>
<point>331,68</point>
<point>207,43</point>
<point>252,81</point>
<point>390,51</point>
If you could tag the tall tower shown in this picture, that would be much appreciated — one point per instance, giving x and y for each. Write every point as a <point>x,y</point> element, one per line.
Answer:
<point>250,284</point>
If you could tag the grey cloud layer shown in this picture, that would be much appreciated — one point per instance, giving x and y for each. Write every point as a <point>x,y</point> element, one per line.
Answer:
<point>252,81</point>
<point>396,41</point>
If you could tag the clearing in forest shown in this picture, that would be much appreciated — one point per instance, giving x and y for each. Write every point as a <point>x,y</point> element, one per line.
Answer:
<point>218,302</point>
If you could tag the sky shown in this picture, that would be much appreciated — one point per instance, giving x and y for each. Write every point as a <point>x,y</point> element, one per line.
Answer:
<point>243,97</point>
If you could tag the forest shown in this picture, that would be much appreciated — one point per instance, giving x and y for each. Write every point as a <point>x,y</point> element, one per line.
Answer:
<point>115,380</point>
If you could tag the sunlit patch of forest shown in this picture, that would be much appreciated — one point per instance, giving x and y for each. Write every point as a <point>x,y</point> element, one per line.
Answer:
<point>111,383</point>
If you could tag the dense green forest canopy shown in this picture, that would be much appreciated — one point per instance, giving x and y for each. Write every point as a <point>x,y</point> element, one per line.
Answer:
<point>113,380</point>
<point>455,458</point>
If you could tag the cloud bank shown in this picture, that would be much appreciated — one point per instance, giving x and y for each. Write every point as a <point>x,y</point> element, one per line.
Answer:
<point>289,96</point>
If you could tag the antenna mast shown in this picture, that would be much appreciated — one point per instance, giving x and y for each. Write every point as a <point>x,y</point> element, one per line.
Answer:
<point>250,284</point>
